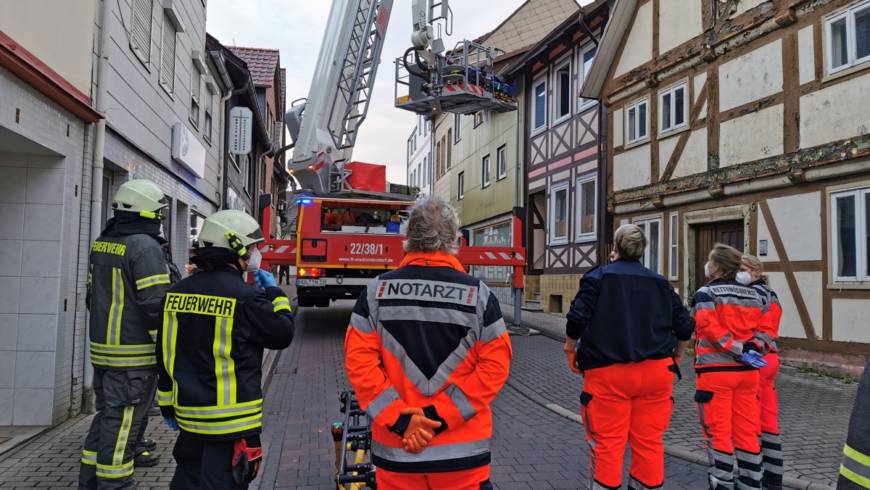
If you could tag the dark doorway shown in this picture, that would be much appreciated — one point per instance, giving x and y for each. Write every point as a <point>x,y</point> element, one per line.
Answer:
<point>537,240</point>
<point>709,234</point>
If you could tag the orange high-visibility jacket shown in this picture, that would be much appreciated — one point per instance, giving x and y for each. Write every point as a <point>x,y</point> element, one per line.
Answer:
<point>728,315</point>
<point>427,335</point>
<point>772,310</point>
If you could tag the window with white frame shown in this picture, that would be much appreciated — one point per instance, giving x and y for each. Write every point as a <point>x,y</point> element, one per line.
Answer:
<point>461,185</point>
<point>584,66</point>
<point>672,109</point>
<point>485,172</point>
<point>558,222</point>
<point>501,162</point>
<point>848,38</point>
<point>167,55</point>
<point>637,121</point>
<point>457,128</point>
<point>478,118</point>
<point>850,229</point>
<point>539,105</point>
<point>195,94</point>
<point>140,35</point>
<point>562,95</point>
<point>209,107</point>
<point>424,180</point>
<point>587,207</point>
<point>673,247</point>
<point>652,229</point>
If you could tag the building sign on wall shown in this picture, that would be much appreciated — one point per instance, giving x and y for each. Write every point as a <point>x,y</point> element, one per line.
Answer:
<point>497,235</point>
<point>241,120</point>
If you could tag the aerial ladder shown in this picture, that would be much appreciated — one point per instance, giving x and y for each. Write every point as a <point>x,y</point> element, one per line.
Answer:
<point>324,127</point>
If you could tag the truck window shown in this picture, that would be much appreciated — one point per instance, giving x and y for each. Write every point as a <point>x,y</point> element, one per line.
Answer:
<point>362,220</point>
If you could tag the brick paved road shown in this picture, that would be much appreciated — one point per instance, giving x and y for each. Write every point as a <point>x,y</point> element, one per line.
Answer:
<point>532,447</point>
<point>814,412</point>
<point>52,458</point>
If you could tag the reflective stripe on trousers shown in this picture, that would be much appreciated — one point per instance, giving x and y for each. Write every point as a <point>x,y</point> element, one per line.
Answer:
<point>748,470</point>
<point>855,466</point>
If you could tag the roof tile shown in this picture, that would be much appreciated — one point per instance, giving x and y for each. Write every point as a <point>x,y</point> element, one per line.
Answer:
<point>261,62</point>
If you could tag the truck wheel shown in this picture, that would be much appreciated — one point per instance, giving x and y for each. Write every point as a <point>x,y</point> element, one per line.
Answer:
<point>322,303</point>
<point>305,302</point>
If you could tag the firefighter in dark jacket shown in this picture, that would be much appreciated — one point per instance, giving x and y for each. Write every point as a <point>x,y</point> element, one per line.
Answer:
<point>210,349</point>
<point>626,333</point>
<point>855,468</point>
<point>127,280</point>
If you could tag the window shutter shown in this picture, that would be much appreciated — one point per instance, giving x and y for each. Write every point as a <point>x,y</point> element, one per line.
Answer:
<point>167,55</point>
<point>141,35</point>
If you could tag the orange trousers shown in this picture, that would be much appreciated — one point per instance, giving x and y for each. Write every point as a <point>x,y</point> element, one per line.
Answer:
<point>729,412</point>
<point>771,441</point>
<point>627,403</point>
<point>473,479</point>
<point>769,419</point>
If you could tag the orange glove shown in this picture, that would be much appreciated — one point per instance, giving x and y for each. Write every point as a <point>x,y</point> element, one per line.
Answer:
<point>420,430</point>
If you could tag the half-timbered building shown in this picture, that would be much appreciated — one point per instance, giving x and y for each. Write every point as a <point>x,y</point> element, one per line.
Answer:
<point>747,122</point>
<point>564,210</point>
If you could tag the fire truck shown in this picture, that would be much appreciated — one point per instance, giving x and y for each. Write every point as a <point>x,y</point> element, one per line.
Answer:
<point>345,227</point>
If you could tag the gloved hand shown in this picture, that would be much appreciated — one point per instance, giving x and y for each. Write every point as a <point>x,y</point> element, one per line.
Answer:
<point>171,423</point>
<point>264,279</point>
<point>752,358</point>
<point>420,430</point>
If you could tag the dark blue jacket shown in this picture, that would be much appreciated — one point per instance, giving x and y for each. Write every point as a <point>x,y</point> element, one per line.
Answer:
<point>626,313</point>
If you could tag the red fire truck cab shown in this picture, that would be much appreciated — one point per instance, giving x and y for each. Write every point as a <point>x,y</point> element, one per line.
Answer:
<point>343,242</point>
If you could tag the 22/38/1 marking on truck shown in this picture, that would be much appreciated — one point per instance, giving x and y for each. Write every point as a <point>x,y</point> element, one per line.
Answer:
<point>367,248</point>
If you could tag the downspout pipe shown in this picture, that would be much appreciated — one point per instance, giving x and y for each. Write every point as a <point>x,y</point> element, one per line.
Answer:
<point>519,200</point>
<point>97,180</point>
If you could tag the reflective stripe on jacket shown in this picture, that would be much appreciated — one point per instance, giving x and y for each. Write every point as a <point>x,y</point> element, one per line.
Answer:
<point>855,468</point>
<point>428,336</point>
<point>127,280</point>
<point>210,352</point>
<point>727,315</point>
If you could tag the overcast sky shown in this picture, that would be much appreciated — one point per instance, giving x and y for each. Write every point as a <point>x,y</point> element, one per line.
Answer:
<point>295,27</point>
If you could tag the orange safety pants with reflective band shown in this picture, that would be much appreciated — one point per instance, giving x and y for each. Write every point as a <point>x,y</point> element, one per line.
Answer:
<point>627,403</point>
<point>473,479</point>
<point>729,412</point>
<point>771,441</point>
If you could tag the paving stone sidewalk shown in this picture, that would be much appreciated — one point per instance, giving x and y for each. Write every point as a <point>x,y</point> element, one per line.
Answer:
<point>814,411</point>
<point>51,459</point>
<point>532,446</point>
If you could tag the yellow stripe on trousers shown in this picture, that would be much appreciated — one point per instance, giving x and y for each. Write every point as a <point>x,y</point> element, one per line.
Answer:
<point>123,436</point>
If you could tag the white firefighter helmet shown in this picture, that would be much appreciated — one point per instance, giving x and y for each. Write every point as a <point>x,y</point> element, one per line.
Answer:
<point>140,196</point>
<point>232,229</point>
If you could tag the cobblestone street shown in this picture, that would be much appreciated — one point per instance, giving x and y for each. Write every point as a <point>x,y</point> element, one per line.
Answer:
<point>533,446</point>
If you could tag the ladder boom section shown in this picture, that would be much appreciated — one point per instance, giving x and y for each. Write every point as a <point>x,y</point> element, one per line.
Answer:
<point>341,90</point>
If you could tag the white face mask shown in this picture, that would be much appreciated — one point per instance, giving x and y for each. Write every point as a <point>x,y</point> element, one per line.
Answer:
<point>744,278</point>
<point>707,270</point>
<point>254,260</point>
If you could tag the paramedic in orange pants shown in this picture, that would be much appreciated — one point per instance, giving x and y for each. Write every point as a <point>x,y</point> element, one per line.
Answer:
<point>633,329</point>
<point>771,442</point>
<point>729,346</point>
<point>427,351</point>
